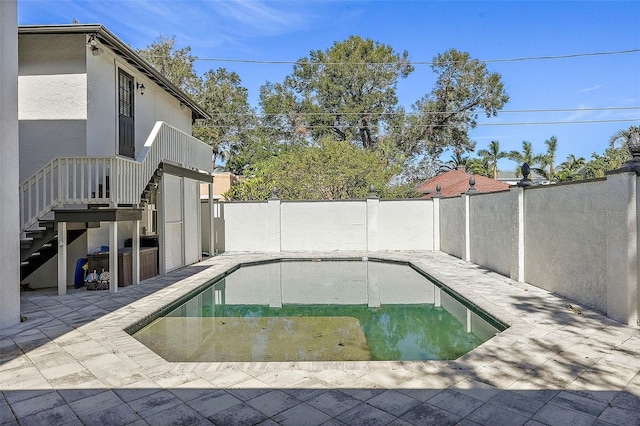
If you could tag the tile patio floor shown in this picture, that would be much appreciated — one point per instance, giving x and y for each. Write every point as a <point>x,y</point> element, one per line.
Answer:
<point>71,363</point>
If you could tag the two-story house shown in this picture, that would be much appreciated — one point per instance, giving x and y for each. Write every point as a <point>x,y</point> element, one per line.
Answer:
<point>107,159</point>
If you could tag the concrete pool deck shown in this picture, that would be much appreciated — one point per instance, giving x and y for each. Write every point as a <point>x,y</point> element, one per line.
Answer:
<point>559,363</point>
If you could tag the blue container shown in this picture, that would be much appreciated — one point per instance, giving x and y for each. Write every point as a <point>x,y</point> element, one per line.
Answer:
<point>78,279</point>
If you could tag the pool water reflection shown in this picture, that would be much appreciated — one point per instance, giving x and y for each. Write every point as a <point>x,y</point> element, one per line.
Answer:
<point>320,311</point>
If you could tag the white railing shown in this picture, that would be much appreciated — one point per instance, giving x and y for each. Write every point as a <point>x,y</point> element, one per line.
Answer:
<point>108,180</point>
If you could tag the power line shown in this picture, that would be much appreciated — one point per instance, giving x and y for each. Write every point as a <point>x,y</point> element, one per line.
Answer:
<point>530,123</point>
<point>517,111</point>
<point>486,61</point>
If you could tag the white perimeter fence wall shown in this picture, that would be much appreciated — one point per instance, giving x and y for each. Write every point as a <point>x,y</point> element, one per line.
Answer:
<point>578,240</point>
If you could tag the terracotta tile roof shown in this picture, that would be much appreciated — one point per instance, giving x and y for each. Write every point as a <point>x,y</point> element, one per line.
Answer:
<point>456,182</point>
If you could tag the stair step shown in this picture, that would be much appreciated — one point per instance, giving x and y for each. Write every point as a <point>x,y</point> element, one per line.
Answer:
<point>25,244</point>
<point>37,234</point>
<point>48,224</point>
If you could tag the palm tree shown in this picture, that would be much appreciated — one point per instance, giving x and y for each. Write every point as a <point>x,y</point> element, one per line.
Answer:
<point>527,156</point>
<point>623,135</point>
<point>480,166</point>
<point>571,169</point>
<point>492,155</point>
<point>455,162</point>
<point>550,157</point>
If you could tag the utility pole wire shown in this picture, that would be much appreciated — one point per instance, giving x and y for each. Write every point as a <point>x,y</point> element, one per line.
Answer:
<point>486,61</point>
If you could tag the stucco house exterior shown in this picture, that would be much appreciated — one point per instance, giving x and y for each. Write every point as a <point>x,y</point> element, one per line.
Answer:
<point>9,234</point>
<point>106,158</point>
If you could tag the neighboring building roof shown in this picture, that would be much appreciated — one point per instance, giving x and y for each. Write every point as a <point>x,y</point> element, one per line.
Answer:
<point>107,38</point>
<point>456,182</point>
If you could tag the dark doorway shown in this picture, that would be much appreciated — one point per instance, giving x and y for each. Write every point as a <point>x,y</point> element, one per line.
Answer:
<point>126,129</point>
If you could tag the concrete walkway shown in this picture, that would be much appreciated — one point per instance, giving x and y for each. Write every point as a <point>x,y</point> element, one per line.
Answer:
<point>71,363</point>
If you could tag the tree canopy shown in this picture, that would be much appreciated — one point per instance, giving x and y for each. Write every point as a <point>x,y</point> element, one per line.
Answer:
<point>345,91</point>
<point>464,88</point>
<point>343,99</point>
<point>329,170</point>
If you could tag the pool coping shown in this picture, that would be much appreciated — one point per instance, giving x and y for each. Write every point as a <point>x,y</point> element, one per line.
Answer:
<point>552,343</point>
<point>114,324</point>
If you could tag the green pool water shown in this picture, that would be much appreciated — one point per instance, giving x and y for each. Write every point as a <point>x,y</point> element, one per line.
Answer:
<point>319,311</point>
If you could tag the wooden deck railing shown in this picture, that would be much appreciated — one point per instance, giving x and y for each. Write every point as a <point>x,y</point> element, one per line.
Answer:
<point>108,180</point>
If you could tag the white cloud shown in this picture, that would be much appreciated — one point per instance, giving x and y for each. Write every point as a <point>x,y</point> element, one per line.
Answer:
<point>590,89</point>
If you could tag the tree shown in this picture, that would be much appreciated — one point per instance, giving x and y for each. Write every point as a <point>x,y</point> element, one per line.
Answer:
<point>330,170</point>
<point>550,156</point>
<point>457,160</point>
<point>623,136</point>
<point>480,166</point>
<point>175,64</point>
<point>527,156</point>
<point>345,91</point>
<point>612,159</point>
<point>233,121</point>
<point>492,155</point>
<point>464,88</point>
<point>571,169</point>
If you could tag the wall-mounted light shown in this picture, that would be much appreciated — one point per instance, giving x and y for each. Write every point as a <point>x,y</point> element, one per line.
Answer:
<point>93,43</point>
<point>140,87</point>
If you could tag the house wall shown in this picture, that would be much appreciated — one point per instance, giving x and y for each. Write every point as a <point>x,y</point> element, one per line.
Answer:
<point>9,176</point>
<point>490,241</point>
<point>565,241</point>
<point>152,106</point>
<point>98,237</point>
<point>68,101</point>
<point>52,106</point>
<point>452,226</point>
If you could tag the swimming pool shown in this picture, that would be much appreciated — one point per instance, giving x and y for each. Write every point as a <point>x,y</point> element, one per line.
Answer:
<point>318,310</point>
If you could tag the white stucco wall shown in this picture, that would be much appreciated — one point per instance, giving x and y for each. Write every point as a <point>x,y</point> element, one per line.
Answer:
<point>154,105</point>
<point>323,225</point>
<point>52,106</point>
<point>98,237</point>
<point>311,225</point>
<point>565,240</point>
<point>9,176</point>
<point>406,225</point>
<point>241,227</point>
<point>452,226</point>
<point>69,101</point>
<point>490,231</point>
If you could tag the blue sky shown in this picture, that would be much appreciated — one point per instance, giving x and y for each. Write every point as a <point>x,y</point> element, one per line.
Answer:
<point>589,86</point>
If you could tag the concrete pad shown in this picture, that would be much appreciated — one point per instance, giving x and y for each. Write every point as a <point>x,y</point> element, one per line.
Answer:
<point>552,365</point>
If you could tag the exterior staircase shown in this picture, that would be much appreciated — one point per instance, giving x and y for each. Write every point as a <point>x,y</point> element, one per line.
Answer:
<point>95,182</point>
<point>41,244</point>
